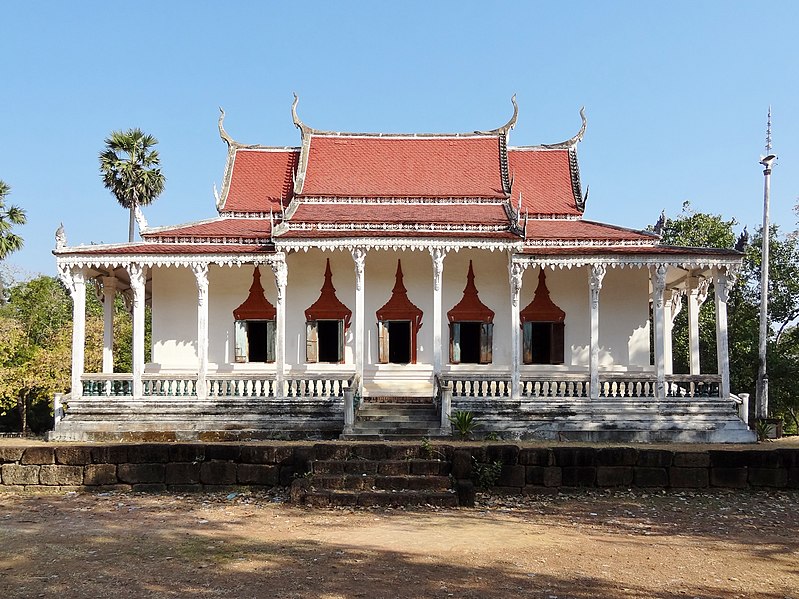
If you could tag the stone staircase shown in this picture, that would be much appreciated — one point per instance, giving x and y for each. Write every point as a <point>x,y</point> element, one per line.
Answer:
<point>396,418</point>
<point>377,475</point>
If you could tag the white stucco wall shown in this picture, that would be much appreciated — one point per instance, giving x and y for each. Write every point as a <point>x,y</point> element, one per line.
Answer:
<point>624,313</point>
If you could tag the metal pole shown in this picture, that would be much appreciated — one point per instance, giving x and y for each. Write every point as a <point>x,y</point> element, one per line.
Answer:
<point>762,376</point>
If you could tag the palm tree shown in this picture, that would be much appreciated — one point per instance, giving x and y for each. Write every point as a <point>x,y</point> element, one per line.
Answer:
<point>129,167</point>
<point>9,216</point>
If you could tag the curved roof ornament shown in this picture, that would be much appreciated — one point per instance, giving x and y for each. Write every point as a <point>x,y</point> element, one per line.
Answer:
<point>503,130</point>
<point>222,133</point>
<point>295,117</point>
<point>570,143</point>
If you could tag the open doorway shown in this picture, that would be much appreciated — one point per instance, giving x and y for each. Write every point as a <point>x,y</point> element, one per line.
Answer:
<point>399,341</point>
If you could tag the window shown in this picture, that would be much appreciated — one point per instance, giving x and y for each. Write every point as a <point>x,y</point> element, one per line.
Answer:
<point>324,341</point>
<point>255,340</point>
<point>542,327</point>
<point>543,342</point>
<point>471,342</point>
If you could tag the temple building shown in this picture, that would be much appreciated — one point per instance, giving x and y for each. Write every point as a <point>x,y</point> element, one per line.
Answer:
<point>369,285</point>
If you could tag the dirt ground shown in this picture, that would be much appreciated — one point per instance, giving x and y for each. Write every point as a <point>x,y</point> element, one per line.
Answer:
<point>251,544</point>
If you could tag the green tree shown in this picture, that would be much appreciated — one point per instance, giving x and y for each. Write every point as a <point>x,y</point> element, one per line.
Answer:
<point>130,170</point>
<point>9,217</point>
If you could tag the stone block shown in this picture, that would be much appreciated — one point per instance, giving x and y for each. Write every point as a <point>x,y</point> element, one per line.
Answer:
<point>258,474</point>
<point>100,474</point>
<point>507,454</point>
<point>688,478</point>
<point>768,477</point>
<point>462,464</point>
<point>330,451</point>
<point>182,473</point>
<point>110,454</point>
<point>140,473</point>
<point>394,468</point>
<point>266,454</point>
<point>617,456</point>
<point>553,476</point>
<point>614,476</point>
<point>149,488</point>
<point>789,458</point>
<point>512,476</point>
<point>301,460</point>
<point>402,452</point>
<point>730,478</point>
<point>187,452</point>
<point>691,459</point>
<point>426,467</point>
<point>11,454</point>
<point>38,455</point>
<point>580,457</point>
<point>218,473</point>
<point>644,476</point>
<point>578,476</point>
<point>466,493</point>
<point>287,475</point>
<point>729,458</point>
<point>73,455</point>
<point>793,478</point>
<point>223,451</point>
<point>14,474</point>
<point>51,474</point>
<point>765,458</point>
<point>376,451</point>
<point>148,453</point>
<point>537,457</point>
<point>654,458</point>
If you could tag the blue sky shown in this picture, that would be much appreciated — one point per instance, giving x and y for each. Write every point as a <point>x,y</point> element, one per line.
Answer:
<point>676,95</point>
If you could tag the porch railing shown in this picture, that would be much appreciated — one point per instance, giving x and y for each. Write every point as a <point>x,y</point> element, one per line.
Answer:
<point>478,385</point>
<point>564,385</point>
<point>218,385</point>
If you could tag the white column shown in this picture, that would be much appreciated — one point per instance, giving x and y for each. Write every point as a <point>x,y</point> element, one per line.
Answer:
<point>109,295</point>
<point>137,282</point>
<point>280,269</point>
<point>438,272</point>
<point>659,318</point>
<point>75,281</point>
<point>697,293</point>
<point>516,271</point>
<point>201,277</point>
<point>359,257</point>
<point>595,277</point>
<point>673,308</point>
<point>722,282</point>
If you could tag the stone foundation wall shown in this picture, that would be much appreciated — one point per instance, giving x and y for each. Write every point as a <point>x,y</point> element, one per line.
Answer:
<point>186,467</point>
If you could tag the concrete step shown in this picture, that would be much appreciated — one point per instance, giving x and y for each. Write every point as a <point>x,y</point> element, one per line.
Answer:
<point>366,482</point>
<point>413,466</point>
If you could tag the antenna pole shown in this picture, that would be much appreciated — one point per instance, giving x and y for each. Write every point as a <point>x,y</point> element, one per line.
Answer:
<point>762,375</point>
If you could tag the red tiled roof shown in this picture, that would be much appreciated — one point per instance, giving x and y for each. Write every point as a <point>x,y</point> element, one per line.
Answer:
<point>257,228</point>
<point>259,179</point>
<point>410,234</point>
<point>631,249</point>
<point>169,248</point>
<point>583,230</point>
<point>487,214</point>
<point>403,167</point>
<point>544,179</point>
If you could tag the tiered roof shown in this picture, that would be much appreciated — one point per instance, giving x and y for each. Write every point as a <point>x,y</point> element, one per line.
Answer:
<point>334,185</point>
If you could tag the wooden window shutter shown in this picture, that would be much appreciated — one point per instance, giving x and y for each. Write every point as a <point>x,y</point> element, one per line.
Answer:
<point>382,342</point>
<point>240,337</point>
<point>340,357</point>
<point>455,343</point>
<point>270,340</point>
<point>557,343</point>
<point>311,342</point>
<point>527,345</point>
<point>486,342</point>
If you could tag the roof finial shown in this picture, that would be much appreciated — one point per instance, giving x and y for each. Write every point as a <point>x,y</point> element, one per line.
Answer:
<point>768,132</point>
<point>569,143</point>
<point>222,133</point>
<point>503,130</point>
<point>294,117</point>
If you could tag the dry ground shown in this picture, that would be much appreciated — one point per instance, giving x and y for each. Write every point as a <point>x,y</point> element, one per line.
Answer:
<point>251,544</point>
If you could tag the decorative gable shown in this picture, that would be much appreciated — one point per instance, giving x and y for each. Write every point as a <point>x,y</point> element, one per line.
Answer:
<point>328,306</point>
<point>256,306</point>
<point>470,308</point>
